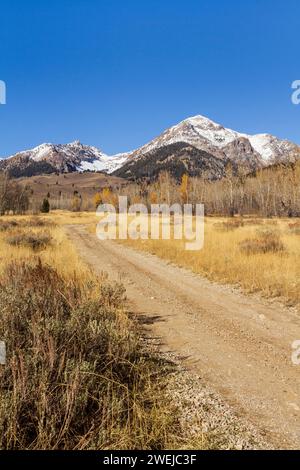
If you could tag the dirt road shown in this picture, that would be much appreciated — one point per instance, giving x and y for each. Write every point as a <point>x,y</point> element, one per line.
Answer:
<point>240,345</point>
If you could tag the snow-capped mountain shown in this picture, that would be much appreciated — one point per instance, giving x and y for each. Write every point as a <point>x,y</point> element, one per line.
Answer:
<point>49,158</point>
<point>204,134</point>
<point>196,145</point>
<point>199,146</point>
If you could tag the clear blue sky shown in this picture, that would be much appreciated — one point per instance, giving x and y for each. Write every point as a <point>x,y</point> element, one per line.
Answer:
<point>115,73</point>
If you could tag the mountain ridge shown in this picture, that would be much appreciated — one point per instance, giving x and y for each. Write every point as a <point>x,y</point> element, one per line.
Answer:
<point>200,134</point>
<point>199,137</point>
<point>62,158</point>
<point>203,133</point>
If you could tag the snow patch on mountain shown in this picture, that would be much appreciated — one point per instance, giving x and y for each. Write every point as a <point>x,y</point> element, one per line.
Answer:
<point>207,135</point>
<point>72,157</point>
<point>197,131</point>
<point>211,131</point>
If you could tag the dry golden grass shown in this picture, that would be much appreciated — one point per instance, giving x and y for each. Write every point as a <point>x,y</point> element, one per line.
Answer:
<point>61,217</point>
<point>60,253</point>
<point>273,273</point>
<point>55,311</point>
<point>77,374</point>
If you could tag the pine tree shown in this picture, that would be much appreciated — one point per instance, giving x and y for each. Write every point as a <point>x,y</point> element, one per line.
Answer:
<point>45,206</point>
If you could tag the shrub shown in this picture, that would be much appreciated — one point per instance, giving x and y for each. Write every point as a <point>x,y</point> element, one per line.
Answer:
<point>36,241</point>
<point>295,228</point>
<point>230,224</point>
<point>254,221</point>
<point>77,376</point>
<point>38,222</point>
<point>267,241</point>
<point>8,225</point>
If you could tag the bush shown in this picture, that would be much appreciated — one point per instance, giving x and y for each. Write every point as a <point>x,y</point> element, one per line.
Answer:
<point>254,221</point>
<point>36,241</point>
<point>8,225</point>
<point>38,222</point>
<point>45,206</point>
<point>295,228</point>
<point>230,224</point>
<point>77,376</point>
<point>267,241</point>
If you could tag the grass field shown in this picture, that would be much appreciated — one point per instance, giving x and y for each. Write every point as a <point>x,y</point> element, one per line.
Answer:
<point>59,253</point>
<point>78,375</point>
<point>271,272</point>
<point>258,255</point>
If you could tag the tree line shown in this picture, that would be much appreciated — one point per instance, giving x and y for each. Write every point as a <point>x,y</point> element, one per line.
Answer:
<point>269,192</point>
<point>14,198</point>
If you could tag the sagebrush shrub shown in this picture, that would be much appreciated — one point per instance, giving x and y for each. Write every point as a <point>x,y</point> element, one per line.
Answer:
<point>34,240</point>
<point>294,228</point>
<point>230,224</point>
<point>77,376</point>
<point>267,241</point>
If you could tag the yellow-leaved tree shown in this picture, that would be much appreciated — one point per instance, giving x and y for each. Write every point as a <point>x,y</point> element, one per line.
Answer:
<point>184,189</point>
<point>97,199</point>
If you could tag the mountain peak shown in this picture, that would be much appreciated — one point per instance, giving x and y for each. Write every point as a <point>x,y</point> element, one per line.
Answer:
<point>197,142</point>
<point>198,134</point>
<point>75,143</point>
<point>50,158</point>
<point>200,120</point>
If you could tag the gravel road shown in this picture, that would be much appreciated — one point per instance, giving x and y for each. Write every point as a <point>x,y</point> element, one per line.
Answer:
<point>237,347</point>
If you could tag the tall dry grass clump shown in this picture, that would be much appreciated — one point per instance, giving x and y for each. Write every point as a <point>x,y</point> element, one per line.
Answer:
<point>24,222</point>
<point>77,374</point>
<point>229,224</point>
<point>33,240</point>
<point>266,241</point>
<point>294,228</point>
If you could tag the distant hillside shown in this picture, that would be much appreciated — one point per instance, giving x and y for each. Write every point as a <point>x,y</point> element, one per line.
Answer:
<point>177,159</point>
<point>60,189</point>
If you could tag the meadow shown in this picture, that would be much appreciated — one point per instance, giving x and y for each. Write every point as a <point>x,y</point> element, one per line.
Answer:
<point>78,375</point>
<point>255,254</point>
<point>258,255</point>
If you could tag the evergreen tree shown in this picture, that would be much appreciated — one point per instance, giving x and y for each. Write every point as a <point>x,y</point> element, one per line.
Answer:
<point>45,206</point>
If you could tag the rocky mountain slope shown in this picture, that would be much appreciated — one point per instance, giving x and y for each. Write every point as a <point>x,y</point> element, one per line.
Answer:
<point>196,145</point>
<point>178,158</point>
<point>200,137</point>
<point>50,158</point>
<point>207,135</point>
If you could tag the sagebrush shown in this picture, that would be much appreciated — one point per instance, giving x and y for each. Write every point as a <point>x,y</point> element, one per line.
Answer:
<point>77,375</point>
